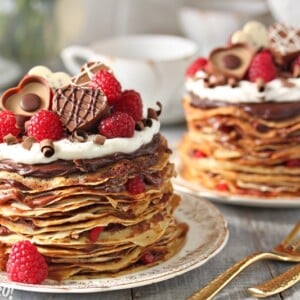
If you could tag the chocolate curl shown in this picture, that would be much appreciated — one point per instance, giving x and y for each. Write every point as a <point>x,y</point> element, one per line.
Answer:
<point>10,139</point>
<point>152,114</point>
<point>147,122</point>
<point>296,71</point>
<point>47,147</point>
<point>158,112</point>
<point>28,142</point>
<point>79,136</point>
<point>139,125</point>
<point>99,139</point>
<point>260,84</point>
<point>232,82</point>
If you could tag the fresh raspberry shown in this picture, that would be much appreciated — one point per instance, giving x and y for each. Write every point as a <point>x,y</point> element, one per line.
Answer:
<point>195,66</point>
<point>25,264</point>
<point>222,187</point>
<point>94,233</point>
<point>118,124</point>
<point>135,185</point>
<point>263,67</point>
<point>148,258</point>
<point>8,124</point>
<point>108,83</point>
<point>131,103</point>
<point>199,154</point>
<point>45,124</point>
<point>293,163</point>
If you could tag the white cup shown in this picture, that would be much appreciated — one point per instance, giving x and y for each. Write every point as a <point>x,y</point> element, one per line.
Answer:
<point>153,65</point>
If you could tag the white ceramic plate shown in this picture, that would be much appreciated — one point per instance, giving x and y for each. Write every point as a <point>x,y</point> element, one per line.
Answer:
<point>206,237</point>
<point>184,186</point>
<point>192,188</point>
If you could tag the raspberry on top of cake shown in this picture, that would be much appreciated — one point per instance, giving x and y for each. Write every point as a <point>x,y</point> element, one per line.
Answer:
<point>242,108</point>
<point>85,178</point>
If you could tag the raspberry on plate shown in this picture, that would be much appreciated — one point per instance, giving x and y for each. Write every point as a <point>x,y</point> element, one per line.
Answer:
<point>25,264</point>
<point>118,124</point>
<point>263,67</point>
<point>109,85</point>
<point>45,124</point>
<point>195,66</point>
<point>131,103</point>
<point>8,124</point>
<point>135,185</point>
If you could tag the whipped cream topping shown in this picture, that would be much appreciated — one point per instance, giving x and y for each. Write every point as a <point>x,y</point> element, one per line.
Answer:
<point>246,91</point>
<point>67,150</point>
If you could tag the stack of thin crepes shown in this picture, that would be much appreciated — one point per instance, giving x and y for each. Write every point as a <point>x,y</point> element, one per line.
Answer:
<point>56,205</point>
<point>243,148</point>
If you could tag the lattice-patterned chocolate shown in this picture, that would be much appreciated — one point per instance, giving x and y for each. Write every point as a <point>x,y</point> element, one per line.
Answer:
<point>80,108</point>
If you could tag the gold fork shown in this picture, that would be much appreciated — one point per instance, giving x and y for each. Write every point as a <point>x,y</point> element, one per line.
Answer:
<point>278,284</point>
<point>287,250</point>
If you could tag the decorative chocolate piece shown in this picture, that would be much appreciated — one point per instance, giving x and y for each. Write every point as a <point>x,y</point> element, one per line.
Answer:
<point>47,147</point>
<point>28,142</point>
<point>55,79</point>
<point>254,33</point>
<point>32,94</point>
<point>30,102</point>
<point>79,136</point>
<point>10,139</point>
<point>87,72</point>
<point>99,139</point>
<point>232,61</point>
<point>284,43</point>
<point>139,126</point>
<point>79,108</point>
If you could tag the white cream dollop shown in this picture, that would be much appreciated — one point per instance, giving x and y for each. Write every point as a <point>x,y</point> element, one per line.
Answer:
<point>67,150</point>
<point>246,91</point>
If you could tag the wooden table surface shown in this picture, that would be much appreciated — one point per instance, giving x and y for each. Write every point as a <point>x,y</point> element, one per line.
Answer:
<point>251,230</point>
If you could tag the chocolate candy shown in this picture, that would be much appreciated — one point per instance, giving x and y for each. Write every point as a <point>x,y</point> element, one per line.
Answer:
<point>230,62</point>
<point>284,43</point>
<point>79,108</point>
<point>87,72</point>
<point>31,95</point>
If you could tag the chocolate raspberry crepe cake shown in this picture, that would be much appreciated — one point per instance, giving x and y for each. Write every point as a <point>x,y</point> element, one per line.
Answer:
<point>243,114</point>
<point>85,176</point>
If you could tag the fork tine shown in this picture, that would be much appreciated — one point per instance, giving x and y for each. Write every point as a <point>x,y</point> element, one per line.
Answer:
<point>290,241</point>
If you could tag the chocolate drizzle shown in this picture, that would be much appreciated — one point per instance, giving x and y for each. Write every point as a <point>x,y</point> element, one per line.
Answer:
<point>80,108</point>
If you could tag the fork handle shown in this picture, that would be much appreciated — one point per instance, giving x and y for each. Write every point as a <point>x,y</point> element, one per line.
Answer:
<point>277,284</point>
<point>217,284</point>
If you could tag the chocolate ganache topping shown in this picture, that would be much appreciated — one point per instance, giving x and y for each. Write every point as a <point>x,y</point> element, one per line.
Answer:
<point>69,167</point>
<point>270,111</point>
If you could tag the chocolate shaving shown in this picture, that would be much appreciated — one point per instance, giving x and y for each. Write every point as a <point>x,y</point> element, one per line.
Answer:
<point>79,136</point>
<point>158,112</point>
<point>232,82</point>
<point>286,83</point>
<point>139,125</point>
<point>99,139</point>
<point>47,147</point>
<point>147,122</point>
<point>260,84</point>
<point>296,71</point>
<point>28,142</point>
<point>10,139</point>
<point>152,114</point>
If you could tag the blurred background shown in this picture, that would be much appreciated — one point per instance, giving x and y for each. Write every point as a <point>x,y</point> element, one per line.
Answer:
<point>36,31</point>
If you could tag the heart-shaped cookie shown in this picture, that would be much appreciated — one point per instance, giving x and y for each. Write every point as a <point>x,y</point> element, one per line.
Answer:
<point>31,95</point>
<point>284,43</point>
<point>253,33</point>
<point>87,72</point>
<point>230,62</point>
<point>80,109</point>
<point>55,79</point>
